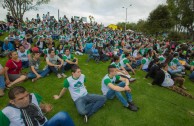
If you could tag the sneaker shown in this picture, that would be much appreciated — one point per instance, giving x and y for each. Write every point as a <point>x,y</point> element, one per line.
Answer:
<point>183,73</point>
<point>132,79</point>
<point>59,76</point>
<point>63,75</point>
<point>85,118</point>
<point>132,107</point>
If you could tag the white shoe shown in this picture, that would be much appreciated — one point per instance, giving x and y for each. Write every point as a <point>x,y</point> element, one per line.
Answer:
<point>59,76</point>
<point>63,75</point>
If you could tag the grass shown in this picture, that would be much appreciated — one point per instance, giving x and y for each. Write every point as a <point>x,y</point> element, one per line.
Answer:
<point>158,106</point>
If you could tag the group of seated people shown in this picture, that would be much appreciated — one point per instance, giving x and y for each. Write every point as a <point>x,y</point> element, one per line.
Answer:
<point>167,63</point>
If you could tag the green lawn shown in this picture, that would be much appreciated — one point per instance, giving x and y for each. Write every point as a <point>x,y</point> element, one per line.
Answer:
<point>158,106</point>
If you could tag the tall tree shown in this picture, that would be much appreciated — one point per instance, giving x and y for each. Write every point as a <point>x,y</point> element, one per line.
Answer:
<point>18,8</point>
<point>182,12</point>
<point>160,20</point>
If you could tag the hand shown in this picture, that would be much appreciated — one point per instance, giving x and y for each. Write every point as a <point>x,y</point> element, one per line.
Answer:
<point>7,82</point>
<point>38,76</point>
<point>127,88</point>
<point>46,107</point>
<point>56,97</point>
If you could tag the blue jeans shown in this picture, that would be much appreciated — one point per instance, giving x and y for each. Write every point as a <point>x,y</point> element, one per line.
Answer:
<point>191,75</point>
<point>2,82</point>
<point>111,94</point>
<point>60,119</point>
<point>43,73</point>
<point>89,104</point>
<point>54,70</point>
<point>25,64</point>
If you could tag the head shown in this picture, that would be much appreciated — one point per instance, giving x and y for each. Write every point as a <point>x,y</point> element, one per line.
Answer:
<point>112,70</point>
<point>76,71</point>
<point>21,48</point>
<point>13,55</point>
<point>164,66</point>
<point>67,52</point>
<point>36,55</point>
<point>19,97</point>
<point>51,52</point>
<point>116,59</point>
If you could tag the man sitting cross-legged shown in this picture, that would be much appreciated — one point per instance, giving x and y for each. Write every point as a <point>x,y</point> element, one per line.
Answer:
<point>86,104</point>
<point>110,89</point>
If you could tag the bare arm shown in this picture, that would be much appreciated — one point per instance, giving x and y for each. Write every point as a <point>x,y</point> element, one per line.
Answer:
<point>60,94</point>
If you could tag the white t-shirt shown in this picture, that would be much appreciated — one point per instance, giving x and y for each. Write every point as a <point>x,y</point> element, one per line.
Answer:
<point>14,114</point>
<point>167,80</point>
<point>76,87</point>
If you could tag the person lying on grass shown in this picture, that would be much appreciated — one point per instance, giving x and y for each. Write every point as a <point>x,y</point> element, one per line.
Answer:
<point>87,104</point>
<point>163,78</point>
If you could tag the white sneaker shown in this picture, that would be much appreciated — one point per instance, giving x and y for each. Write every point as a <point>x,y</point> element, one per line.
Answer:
<point>63,75</point>
<point>59,76</point>
<point>85,118</point>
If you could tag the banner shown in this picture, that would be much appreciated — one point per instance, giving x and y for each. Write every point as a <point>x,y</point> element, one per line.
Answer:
<point>76,18</point>
<point>84,19</point>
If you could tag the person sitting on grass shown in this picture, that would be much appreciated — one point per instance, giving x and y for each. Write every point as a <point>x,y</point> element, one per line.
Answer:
<point>163,78</point>
<point>145,62</point>
<point>121,70</point>
<point>125,62</point>
<point>52,62</point>
<point>153,68</point>
<point>7,46</point>
<point>34,64</point>
<point>24,55</point>
<point>27,109</point>
<point>69,60</point>
<point>13,70</point>
<point>2,81</point>
<point>110,89</point>
<point>86,104</point>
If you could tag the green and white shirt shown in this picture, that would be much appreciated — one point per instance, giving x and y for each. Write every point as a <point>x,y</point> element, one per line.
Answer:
<point>76,86</point>
<point>124,61</point>
<point>145,61</point>
<point>162,59</point>
<point>192,63</point>
<point>11,116</point>
<point>65,57</point>
<point>122,56</point>
<point>117,65</point>
<point>106,80</point>
<point>23,56</point>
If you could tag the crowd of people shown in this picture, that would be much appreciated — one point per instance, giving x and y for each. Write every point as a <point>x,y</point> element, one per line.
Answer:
<point>166,61</point>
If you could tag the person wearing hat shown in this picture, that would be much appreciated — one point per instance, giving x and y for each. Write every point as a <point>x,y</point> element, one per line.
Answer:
<point>7,46</point>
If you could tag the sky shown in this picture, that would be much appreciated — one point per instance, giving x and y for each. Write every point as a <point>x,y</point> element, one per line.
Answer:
<point>104,11</point>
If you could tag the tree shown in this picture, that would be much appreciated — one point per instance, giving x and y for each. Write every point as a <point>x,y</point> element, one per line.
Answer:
<point>17,8</point>
<point>182,12</point>
<point>160,20</point>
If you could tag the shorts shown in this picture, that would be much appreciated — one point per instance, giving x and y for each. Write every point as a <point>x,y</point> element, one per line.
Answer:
<point>13,77</point>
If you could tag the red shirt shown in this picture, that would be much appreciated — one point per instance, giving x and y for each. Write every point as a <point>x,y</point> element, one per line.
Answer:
<point>14,67</point>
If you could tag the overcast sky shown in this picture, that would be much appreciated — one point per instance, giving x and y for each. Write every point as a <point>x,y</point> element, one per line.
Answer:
<point>104,11</point>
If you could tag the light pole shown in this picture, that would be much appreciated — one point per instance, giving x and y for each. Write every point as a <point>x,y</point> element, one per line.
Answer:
<point>126,14</point>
